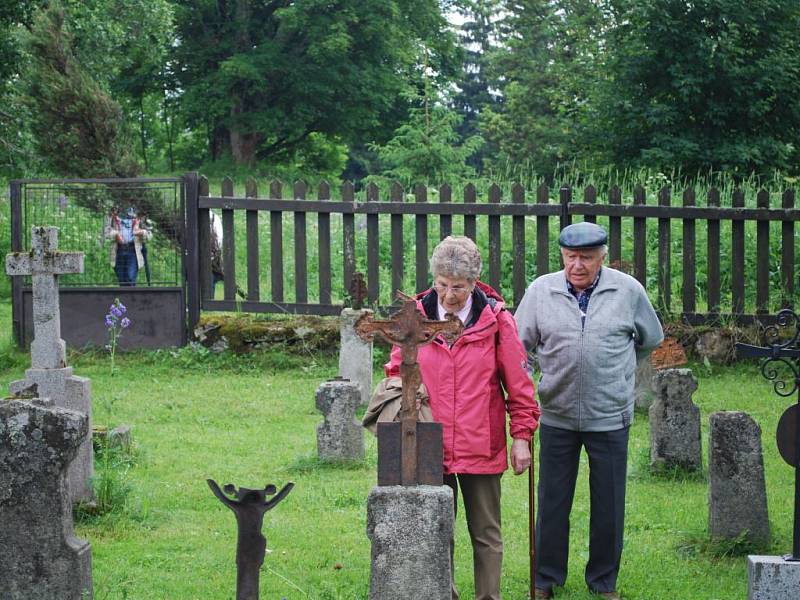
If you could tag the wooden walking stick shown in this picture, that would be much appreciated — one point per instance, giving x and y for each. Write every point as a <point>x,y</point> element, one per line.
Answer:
<point>532,520</point>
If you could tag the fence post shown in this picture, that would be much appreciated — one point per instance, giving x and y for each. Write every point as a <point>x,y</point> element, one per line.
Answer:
<point>18,326</point>
<point>787,254</point>
<point>190,250</point>
<point>664,255</point>
<point>565,197</point>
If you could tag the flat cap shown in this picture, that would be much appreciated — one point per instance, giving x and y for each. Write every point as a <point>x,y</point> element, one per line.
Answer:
<point>582,235</point>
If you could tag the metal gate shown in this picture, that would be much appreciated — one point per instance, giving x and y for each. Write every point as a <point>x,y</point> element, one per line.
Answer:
<point>88,213</point>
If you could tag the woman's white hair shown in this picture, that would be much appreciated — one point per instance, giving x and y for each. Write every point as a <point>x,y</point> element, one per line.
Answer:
<point>457,257</point>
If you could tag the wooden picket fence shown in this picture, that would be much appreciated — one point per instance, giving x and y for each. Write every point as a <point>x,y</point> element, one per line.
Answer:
<point>530,213</point>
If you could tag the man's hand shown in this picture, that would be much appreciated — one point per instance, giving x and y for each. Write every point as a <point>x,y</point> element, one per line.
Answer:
<point>520,456</point>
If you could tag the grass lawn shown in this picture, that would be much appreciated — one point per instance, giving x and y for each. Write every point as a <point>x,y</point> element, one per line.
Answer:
<point>197,416</point>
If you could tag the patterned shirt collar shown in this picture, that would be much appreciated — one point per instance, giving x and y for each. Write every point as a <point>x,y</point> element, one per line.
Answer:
<point>583,297</point>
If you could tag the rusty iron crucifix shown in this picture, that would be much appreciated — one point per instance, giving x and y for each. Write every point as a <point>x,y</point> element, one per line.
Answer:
<point>249,507</point>
<point>358,291</point>
<point>409,453</point>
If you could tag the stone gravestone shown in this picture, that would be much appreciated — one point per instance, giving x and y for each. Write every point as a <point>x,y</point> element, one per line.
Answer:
<point>49,375</point>
<point>737,496</point>
<point>675,422</point>
<point>41,557</point>
<point>355,354</point>
<point>643,388</point>
<point>340,436</point>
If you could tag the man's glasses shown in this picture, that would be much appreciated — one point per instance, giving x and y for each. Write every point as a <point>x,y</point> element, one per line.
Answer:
<point>457,290</point>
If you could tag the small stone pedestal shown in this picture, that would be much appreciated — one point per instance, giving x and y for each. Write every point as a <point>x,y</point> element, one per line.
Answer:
<point>355,355</point>
<point>411,528</point>
<point>772,578</point>
<point>340,436</point>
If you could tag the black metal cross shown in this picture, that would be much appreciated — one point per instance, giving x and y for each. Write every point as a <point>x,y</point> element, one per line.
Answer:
<point>784,354</point>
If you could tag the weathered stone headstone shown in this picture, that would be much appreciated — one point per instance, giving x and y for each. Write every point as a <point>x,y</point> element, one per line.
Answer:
<point>340,436</point>
<point>737,497</point>
<point>772,578</point>
<point>675,422</point>
<point>49,375</point>
<point>411,529</point>
<point>355,354</point>
<point>40,557</point>
<point>643,388</point>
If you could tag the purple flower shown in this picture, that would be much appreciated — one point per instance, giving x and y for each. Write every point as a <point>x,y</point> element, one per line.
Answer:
<point>121,307</point>
<point>116,311</point>
<point>109,321</point>
<point>125,322</point>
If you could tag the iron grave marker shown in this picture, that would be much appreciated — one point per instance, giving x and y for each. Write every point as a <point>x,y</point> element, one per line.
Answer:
<point>409,452</point>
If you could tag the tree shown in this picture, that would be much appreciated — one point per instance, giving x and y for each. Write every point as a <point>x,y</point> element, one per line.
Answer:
<point>549,53</point>
<point>477,92</point>
<point>262,77</point>
<point>702,85</point>
<point>16,146</point>
<point>77,127</point>
<point>428,149</point>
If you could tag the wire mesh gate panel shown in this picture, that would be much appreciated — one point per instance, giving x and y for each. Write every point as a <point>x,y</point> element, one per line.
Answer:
<point>99,217</point>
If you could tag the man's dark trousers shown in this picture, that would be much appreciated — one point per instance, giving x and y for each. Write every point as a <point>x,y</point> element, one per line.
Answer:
<point>559,453</point>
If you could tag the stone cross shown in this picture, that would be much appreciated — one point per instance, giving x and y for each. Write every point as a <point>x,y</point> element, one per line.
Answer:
<point>409,329</point>
<point>45,263</point>
<point>249,507</point>
<point>784,353</point>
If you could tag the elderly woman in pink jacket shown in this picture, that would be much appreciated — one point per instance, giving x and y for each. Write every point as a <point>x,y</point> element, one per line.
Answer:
<point>473,385</point>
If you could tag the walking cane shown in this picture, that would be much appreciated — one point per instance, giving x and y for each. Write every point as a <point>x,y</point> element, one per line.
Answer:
<point>532,520</point>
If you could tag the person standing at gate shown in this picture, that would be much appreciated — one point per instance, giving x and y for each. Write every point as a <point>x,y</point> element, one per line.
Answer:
<point>588,325</point>
<point>472,384</point>
<point>127,238</point>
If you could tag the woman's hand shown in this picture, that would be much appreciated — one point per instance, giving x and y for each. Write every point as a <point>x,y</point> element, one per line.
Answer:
<point>520,456</point>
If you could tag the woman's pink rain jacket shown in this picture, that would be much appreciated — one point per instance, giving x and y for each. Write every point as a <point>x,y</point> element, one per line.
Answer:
<point>473,384</point>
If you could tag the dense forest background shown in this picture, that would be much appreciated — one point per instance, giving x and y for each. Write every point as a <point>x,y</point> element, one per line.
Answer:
<point>415,90</point>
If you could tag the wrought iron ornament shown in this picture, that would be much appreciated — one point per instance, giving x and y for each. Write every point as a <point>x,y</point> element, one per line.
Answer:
<point>781,365</point>
<point>249,507</point>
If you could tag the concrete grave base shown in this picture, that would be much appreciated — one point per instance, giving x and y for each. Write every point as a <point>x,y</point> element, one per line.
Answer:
<point>411,529</point>
<point>772,578</point>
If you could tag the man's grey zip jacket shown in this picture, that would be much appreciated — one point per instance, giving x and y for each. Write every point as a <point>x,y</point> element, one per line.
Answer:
<point>587,381</point>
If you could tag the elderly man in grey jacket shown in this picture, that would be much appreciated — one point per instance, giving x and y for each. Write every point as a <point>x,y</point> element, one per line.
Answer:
<point>588,325</point>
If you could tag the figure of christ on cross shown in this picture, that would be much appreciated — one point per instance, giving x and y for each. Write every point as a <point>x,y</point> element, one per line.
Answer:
<point>45,263</point>
<point>409,329</point>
